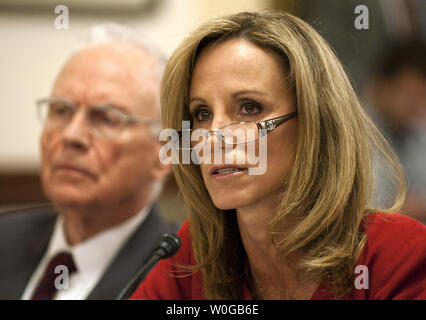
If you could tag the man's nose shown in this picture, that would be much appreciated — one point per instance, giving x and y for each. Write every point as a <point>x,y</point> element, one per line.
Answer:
<point>77,132</point>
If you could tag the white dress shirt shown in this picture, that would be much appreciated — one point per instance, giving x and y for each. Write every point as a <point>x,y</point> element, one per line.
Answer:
<point>91,257</point>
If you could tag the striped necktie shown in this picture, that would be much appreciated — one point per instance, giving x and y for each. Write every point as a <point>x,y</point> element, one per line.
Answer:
<point>60,266</point>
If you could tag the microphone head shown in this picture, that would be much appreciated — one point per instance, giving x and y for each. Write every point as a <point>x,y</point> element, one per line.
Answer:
<point>168,245</point>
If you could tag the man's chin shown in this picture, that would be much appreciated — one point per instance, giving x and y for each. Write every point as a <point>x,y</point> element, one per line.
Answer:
<point>68,197</point>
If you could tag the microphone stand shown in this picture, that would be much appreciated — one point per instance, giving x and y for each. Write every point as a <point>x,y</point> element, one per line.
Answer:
<point>137,278</point>
<point>167,246</point>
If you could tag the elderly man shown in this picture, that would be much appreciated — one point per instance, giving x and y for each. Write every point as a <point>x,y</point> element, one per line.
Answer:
<point>100,168</point>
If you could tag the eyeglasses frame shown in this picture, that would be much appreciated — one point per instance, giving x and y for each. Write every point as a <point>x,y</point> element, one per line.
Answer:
<point>124,118</point>
<point>264,127</point>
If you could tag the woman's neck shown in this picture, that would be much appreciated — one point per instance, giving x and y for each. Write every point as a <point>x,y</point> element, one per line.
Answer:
<point>273,273</point>
<point>253,222</point>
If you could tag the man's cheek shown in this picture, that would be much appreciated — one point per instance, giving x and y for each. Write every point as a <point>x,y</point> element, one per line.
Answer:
<point>44,158</point>
<point>47,144</point>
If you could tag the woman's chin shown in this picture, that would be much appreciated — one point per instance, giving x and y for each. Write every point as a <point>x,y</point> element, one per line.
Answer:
<point>226,204</point>
<point>228,198</point>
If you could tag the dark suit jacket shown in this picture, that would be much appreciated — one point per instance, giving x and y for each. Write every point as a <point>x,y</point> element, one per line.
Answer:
<point>25,235</point>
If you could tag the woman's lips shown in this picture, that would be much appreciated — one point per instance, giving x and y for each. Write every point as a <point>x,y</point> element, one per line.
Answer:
<point>223,172</point>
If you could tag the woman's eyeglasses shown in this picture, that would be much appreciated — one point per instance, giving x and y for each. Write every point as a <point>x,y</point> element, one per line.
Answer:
<point>233,134</point>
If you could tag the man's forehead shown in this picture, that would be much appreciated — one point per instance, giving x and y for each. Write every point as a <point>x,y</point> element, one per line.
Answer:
<point>119,59</point>
<point>122,75</point>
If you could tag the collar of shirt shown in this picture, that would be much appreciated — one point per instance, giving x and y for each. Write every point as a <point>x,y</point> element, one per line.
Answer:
<point>93,256</point>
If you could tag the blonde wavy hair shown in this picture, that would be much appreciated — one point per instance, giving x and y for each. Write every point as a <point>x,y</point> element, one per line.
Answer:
<point>328,190</point>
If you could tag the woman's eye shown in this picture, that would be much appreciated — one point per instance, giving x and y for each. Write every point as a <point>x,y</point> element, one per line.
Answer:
<point>250,108</point>
<point>201,114</point>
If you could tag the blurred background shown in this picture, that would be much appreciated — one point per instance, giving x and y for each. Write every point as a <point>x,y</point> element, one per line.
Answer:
<point>381,45</point>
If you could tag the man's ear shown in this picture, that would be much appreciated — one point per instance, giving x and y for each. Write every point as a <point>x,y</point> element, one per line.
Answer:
<point>160,170</point>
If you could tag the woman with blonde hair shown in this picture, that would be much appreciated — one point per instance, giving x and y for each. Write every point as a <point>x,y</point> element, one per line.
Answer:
<point>305,228</point>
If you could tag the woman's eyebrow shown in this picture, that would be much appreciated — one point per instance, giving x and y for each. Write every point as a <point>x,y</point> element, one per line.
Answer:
<point>236,94</point>
<point>197,99</point>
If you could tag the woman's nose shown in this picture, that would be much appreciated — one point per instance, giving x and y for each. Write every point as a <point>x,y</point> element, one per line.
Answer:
<point>219,121</point>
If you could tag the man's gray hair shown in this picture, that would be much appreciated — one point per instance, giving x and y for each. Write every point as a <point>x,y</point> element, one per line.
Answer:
<point>108,32</point>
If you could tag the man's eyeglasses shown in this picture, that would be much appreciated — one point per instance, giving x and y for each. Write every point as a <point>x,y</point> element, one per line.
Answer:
<point>105,121</point>
<point>233,134</point>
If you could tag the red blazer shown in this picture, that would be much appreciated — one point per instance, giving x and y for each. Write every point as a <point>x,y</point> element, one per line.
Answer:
<point>392,265</point>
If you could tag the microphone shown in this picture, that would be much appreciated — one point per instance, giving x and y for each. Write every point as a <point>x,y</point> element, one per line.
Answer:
<point>167,246</point>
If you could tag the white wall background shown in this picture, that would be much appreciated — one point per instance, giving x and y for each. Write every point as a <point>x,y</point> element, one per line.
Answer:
<point>32,52</point>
